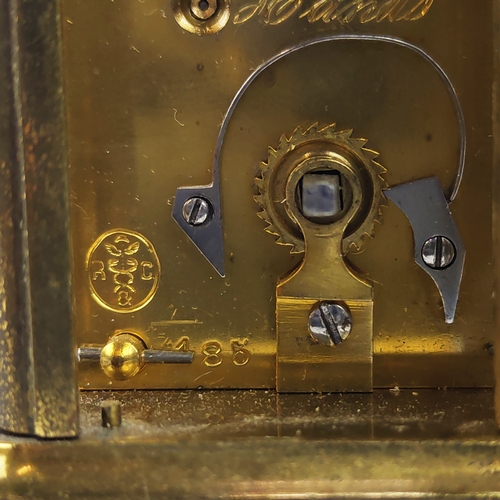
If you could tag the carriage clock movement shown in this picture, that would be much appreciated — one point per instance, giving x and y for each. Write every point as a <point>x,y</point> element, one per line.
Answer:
<point>278,195</point>
<point>247,248</point>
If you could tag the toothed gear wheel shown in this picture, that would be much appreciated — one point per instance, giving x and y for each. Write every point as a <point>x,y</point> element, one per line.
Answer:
<point>304,143</point>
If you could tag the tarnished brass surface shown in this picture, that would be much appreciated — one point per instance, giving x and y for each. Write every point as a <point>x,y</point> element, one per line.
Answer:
<point>38,392</point>
<point>145,101</point>
<point>260,444</point>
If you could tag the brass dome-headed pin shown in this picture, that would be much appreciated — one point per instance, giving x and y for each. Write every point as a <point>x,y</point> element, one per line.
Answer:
<point>122,357</point>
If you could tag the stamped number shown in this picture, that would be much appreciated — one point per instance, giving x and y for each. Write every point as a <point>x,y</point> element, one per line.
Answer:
<point>214,355</point>
<point>241,355</point>
<point>182,345</point>
<point>212,351</point>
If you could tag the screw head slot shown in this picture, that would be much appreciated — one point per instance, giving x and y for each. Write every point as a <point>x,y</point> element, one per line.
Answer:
<point>197,211</point>
<point>439,252</point>
<point>330,323</point>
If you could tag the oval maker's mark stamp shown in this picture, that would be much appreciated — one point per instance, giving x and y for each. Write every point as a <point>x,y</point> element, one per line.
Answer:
<point>123,270</point>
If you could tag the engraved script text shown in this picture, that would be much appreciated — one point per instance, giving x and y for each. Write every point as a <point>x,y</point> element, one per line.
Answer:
<point>343,11</point>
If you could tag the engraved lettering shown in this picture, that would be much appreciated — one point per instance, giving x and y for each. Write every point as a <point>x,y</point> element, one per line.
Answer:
<point>274,12</point>
<point>146,273</point>
<point>322,9</point>
<point>133,267</point>
<point>348,13</point>
<point>249,11</point>
<point>98,272</point>
<point>387,10</point>
<point>368,12</point>
<point>280,10</point>
<point>419,11</point>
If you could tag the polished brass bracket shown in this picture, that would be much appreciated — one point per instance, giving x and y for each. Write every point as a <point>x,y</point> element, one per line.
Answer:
<point>324,277</point>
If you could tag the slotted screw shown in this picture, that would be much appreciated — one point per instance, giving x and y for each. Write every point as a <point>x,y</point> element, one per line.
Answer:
<point>197,211</point>
<point>330,323</point>
<point>439,252</point>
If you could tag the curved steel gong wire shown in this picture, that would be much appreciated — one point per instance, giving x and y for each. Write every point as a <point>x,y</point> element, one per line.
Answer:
<point>209,239</point>
<point>375,38</point>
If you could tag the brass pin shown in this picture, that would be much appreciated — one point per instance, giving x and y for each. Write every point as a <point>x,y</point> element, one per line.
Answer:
<point>111,414</point>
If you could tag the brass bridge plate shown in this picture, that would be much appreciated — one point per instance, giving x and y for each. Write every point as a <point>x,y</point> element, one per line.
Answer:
<point>145,100</point>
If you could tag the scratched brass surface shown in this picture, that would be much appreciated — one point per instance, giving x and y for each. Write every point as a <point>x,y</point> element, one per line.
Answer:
<point>145,100</point>
<point>260,444</point>
<point>412,414</point>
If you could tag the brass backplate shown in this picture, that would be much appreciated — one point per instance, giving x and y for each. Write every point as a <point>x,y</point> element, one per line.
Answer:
<point>145,99</point>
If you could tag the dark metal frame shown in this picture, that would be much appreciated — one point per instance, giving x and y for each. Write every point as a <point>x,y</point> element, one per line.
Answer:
<point>38,392</point>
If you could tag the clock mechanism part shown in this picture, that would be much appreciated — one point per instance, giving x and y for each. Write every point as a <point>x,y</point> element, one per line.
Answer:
<point>439,250</point>
<point>320,193</point>
<point>199,387</point>
<point>208,236</point>
<point>271,185</point>
<point>198,209</point>
<point>126,354</point>
<point>323,195</point>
